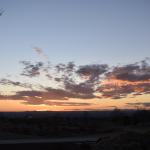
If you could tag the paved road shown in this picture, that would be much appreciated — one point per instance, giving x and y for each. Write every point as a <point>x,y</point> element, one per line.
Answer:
<point>91,139</point>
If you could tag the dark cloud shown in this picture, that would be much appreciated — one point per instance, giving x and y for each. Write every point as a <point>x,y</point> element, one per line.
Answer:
<point>123,90</point>
<point>58,103</point>
<point>81,88</point>
<point>1,11</point>
<point>65,72</point>
<point>93,71</point>
<point>2,97</point>
<point>89,76</point>
<point>132,72</point>
<point>13,83</point>
<point>115,91</point>
<point>47,94</point>
<point>46,97</point>
<point>81,82</point>
<point>31,70</point>
<point>65,68</point>
<point>66,94</point>
<point>143,104</point>
<point>131,79</point>
<point>60,67</point>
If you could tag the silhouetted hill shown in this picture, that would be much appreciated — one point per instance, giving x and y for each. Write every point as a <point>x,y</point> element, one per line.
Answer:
<point>71,114</point>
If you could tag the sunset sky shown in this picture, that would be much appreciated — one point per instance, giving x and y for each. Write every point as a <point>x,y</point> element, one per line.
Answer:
<point>62,55</point>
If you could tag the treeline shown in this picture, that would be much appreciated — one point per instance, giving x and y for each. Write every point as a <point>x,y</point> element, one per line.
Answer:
<point>58,126</point>
<point>138,117</point>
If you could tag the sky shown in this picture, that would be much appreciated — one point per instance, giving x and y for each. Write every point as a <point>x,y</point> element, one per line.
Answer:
<point>74,54</point>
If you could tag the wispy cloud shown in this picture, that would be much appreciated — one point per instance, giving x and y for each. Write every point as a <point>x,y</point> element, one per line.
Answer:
<point>30,69</point>
<point>140,104</point>
<point>41,53</point>
<point>15,83</point>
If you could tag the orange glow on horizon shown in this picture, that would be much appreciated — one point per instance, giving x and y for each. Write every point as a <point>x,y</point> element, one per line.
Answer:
<point>118,82</point>
<point>96,104</point>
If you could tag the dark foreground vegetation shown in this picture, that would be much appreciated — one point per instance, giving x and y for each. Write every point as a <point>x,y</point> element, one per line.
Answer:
<point>116,130</point>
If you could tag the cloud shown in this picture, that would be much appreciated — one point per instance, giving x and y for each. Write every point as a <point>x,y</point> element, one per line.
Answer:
<point>31,70</point>
<point>58,103</point>
<point>115,92</point>
<point>1,11</point>
<point>35,69</point>
<point>89,76</point>
<point>124,80</point>
<point>93,71</point>
<point>46,97</point>
<point>15,83</point>
<point>47,94</point>
<point>40,52</point>
<point>118,91</point>
<point>80,82</point>
<point>81,88</point>
<point>66,94</point>
<point>64,69</point>
<point>132,72</point>
<point>142,104</point>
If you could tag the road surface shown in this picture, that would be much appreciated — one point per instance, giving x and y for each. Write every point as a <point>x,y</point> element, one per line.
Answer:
<point>91,139</point>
